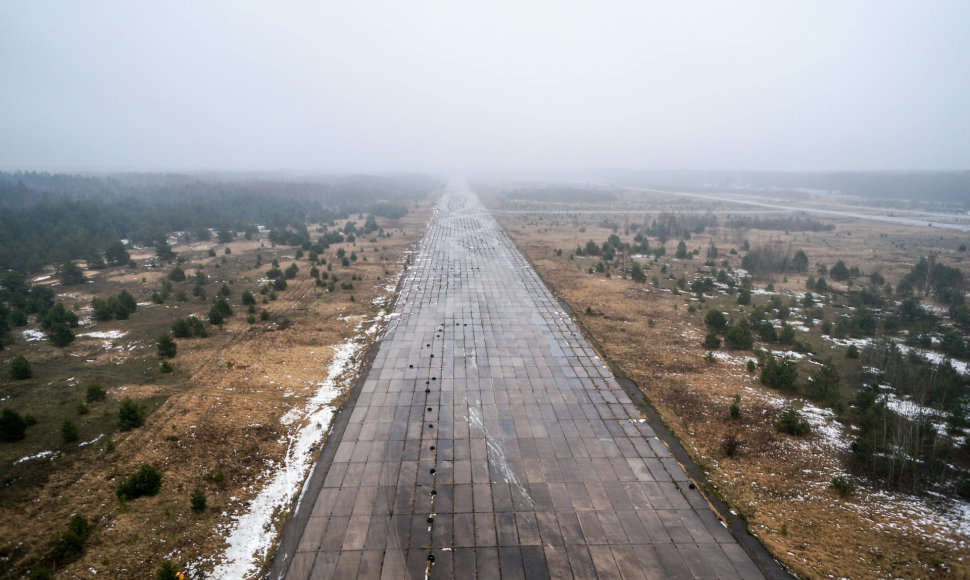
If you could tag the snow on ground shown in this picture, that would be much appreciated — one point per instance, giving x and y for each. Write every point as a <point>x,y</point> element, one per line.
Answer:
<point>910,409</point>
<point>52,455</point>
<point>723,356</point>
<point>826,427</point>
<point>934,516</point>
<point>33,335</point>
<point>936,358</point>
<point>108,334</point>
<point>252,533</point>
<point>906,407</point>
<point>858,342</point>
<point>95,440</point>
<point>787,353</point>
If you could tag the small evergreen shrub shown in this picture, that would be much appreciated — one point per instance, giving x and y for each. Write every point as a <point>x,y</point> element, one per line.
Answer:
<point>20,368</point>
<point>792,423</point>
<point>146,481</point>
<point>843,485</point>
<point>735,410</point>
<point>69,431</point>
<point>197,500</point>
<point>95,393</point>
<point>70,544</point>
<point>13,427</point>
<point>712,341</point>
<point>167,571</point>
<point>130,415</point>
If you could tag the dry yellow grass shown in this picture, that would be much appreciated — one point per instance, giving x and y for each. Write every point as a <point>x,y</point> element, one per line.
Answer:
<point>220,409</point>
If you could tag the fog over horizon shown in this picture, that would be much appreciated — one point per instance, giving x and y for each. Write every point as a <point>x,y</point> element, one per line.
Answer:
<point>536,89</point>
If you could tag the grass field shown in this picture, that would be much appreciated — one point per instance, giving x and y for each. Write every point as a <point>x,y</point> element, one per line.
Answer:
<point>212,423</point>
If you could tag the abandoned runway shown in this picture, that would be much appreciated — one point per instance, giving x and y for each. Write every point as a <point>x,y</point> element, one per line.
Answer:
<point>489,439</point>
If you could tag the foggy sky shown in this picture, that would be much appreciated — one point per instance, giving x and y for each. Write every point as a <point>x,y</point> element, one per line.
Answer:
<point>517,87</point>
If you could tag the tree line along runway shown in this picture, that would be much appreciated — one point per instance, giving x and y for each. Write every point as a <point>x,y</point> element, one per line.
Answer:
<point>489,440</point>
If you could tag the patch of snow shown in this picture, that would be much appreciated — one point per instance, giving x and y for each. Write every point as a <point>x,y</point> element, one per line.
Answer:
<point>936,358</point>
<point>33,335</point>
<point>42,455</point>
<point>108,334</point>
<point>95,440</point>
<point>826,426</point>
<point>788,353</point>
<point>726,357</point>
<point>906,407</point>
<point>253,532</point>
<point>859,342</point>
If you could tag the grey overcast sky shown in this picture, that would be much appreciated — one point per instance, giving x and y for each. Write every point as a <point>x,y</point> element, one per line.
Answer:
<point>515,87</point>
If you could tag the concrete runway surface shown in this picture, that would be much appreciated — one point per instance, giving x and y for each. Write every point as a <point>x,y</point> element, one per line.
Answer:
<point>488,440</point>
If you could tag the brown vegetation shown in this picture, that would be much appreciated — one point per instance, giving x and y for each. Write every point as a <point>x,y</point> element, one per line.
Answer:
<point>212,423</point>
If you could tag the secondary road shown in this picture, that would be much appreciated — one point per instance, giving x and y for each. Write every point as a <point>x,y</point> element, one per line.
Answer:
<point>489,439</point>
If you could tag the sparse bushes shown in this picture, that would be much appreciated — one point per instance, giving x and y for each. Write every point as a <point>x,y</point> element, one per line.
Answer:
<point>146,481</point>
<point>70,544</point>
<point>712,341</point>
<point>637,274</point>
<point>824,383</point>
<point>735,410</point>
<point>779,373</point>
<point>744,296</point>
<point>792,423</point>
<point>197,500</point>
<point>773,258</point>
<point>13,426</point>
<point>117,307</point>
<point>739,336</point>
<point>20,368</point>
<point>69,431</point>
<point>71,274</point>
<point>843,485</point>
<point>167,348</point>
<point>167,571</point>
<point>839,272</point>
<point>130,415</point>
<point>60,335</point>
<point>188,327</point>
<point>715,321</point>
<point>215,316</point>
<point>177,274</point>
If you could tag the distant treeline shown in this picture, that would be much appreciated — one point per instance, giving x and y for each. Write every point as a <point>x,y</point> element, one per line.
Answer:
<point>950,187</point>
<point>787,223</point>
<point>51,218</point>
<point>564,194</point>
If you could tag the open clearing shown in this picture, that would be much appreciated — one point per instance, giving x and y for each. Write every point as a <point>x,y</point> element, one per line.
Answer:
<point>242,406</point>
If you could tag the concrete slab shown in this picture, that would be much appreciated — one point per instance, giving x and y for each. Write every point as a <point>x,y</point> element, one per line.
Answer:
<point>489,440</point>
